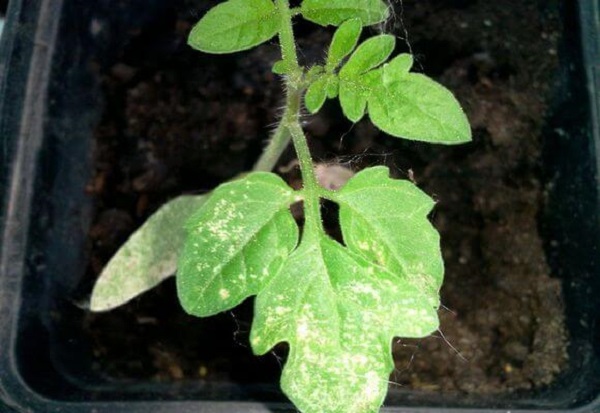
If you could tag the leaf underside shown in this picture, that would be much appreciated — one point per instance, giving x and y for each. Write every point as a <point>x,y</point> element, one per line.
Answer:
<point>148,257</point>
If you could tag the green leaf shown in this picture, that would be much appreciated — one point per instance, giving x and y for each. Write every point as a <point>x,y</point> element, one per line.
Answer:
<point>355,78</point>
<point>413,106</point>
<point>402,104</point>
<point>325,86</point>
<point>397,67</point>
<point>148,257</point>
<point>353,99</point>
<point>314,73</point>
<point>354,93</point>
<point>344,42</point>
<point>235,25</point>
<point>316,94</point>
<point>280,67</point>
<point>370,54</point>
<point>333,87</point>
<point>385,221</point>
<point>236,242</point>
<point>339,321</point>
<point>335,12</point>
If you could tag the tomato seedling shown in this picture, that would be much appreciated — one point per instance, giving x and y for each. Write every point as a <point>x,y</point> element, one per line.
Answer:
<point>338,306</point>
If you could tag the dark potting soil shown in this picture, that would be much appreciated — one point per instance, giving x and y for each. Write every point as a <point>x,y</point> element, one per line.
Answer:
<point>179,121</point>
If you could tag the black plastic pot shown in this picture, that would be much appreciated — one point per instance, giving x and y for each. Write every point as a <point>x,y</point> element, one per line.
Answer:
<point>50,103</point>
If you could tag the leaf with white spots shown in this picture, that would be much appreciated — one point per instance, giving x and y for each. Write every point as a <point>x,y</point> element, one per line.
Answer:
<point>148,257</point>
<point>385,220</point>
<point>236,242</point>
<point>339,322</point>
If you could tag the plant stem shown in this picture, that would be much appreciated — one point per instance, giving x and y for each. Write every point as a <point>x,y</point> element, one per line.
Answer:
<point>281,138</point>
<point>291,122</point>
<point>312,203</point>
<point>271,154</point>
<point>286,37</point>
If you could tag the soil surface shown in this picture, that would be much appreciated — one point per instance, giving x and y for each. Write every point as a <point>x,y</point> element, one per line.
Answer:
<point>178,121</point>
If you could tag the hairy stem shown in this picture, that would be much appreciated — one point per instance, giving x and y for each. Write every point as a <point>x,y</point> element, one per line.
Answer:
<point>312,206</point>
<point>286,38</point>
<point>291,121</point>
<point>271,154</point>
